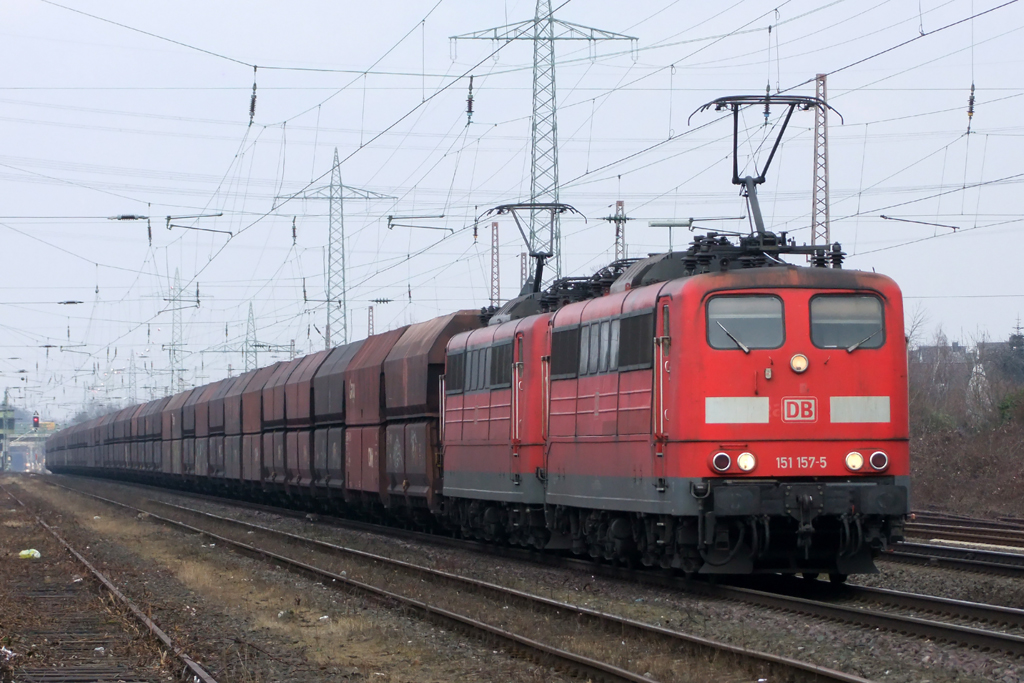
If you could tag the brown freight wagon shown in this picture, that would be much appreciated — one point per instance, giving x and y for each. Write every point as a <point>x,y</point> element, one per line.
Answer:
<point>365,475</point>
<point>253,451</point>
<point>298,414</point>
<point>227,462</point>
<point>199,407</point>
<point>171,432</point>
<point>328,406</point>
<point>152,431</point>
<point>412,377</point>
<point>215,425</point>
<point>273,415</point>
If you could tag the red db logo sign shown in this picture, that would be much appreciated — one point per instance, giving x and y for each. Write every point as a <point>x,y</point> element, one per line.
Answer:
<point>802,409</point>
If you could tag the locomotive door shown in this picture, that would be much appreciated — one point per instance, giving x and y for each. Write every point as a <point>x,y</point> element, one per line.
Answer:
<point>518,399</point>
<point>662,380</point>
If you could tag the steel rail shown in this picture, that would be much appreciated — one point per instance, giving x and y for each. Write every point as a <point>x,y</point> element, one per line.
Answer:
<point>197,671</point>
<point>969,533</point>
<point>963,609</point>
<point>974,522</point>
<point>962,559</point>
<point>817,673</point>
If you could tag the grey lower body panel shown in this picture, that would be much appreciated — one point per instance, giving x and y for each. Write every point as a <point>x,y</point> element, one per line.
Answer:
<point>670,496</point>
<point>499,486</point>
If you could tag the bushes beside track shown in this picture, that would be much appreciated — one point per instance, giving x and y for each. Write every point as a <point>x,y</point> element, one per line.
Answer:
<point>967,426</point>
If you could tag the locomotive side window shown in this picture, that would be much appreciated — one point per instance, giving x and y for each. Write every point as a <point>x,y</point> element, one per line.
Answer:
<point>599,347</point>
<point>470,370</point>
<point>595,348</point>
<point>636,342</point>
<point>455,375</point>
<point>475,370</point>
<point>501,366</point>
<point>606,329</point>
<point>565,348</point>
<point>613,345</point>
<point>584,349</point>
<point>848,322</point>
<point>745,322</point>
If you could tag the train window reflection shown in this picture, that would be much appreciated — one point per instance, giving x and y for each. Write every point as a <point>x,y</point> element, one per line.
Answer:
<point>745,322</point>
<point>848,322</point>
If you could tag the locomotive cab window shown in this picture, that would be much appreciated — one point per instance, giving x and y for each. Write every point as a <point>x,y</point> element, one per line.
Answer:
<point>456,373</point>
<point>501,366</point>
<point>745,322</point>
<point>565,350</point>
<point>847,321</point>
<point>633,340</point>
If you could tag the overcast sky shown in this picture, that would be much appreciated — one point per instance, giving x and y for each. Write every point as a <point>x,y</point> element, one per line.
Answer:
<point>98,120</point>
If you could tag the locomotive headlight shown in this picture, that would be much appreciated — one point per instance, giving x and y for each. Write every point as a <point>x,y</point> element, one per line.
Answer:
<point>879,460</point>
<point>854,461</point>
<point>799,363</point>
<point>746,461</point>
<point>721,462</point>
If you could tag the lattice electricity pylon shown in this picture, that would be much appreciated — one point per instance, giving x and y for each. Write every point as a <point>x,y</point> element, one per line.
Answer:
<point>251,347</point>
<point>495,267</point>
<point>820,233</point>
<point>336,193</point>
<point>544,30</point>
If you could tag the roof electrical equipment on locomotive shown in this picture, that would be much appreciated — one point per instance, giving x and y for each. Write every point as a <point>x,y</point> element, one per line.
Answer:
<point>714,410</point>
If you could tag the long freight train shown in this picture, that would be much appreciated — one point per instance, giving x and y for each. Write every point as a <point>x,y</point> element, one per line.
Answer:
<point>733,421</point>
<point>714,410</point>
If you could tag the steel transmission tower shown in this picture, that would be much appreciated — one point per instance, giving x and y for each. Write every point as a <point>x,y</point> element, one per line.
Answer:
<point>337,316</point>
<point>336,193</point>
<point>544,30</point>
<point>819,201</point>
<point>495,267</point>
<point>249,347</point>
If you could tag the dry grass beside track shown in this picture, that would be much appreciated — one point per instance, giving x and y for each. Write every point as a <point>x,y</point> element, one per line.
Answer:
<point>248,621</point>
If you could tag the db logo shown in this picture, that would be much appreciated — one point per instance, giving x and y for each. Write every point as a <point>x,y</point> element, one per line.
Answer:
<point>803,409</point>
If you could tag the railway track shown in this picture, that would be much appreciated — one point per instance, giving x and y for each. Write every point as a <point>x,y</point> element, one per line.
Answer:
<point>967,529</point>
<point>862,606</point>
<point>597,622</point>
<point>964,559</point>
<point>82,634</point>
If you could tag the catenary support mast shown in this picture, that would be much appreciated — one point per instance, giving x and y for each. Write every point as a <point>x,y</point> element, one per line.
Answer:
<point>820,233</point>
<point>544,30</point>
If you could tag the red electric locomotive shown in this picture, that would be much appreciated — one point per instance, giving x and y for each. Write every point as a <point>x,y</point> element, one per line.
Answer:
<point>714,410</point>
<point>725,422</point>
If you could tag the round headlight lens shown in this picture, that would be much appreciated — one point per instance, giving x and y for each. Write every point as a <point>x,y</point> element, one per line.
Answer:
<point>879,460</point>
<point>721,462</point>
<point>746,461</point>
<point>854,461</point>
<point>799,362</point>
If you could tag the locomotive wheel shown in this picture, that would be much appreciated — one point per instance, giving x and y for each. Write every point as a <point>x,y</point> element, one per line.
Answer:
<point>838,578</point>
<point>810,576</point>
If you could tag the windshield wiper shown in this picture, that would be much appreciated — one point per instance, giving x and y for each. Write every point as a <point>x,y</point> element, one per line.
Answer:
<point>851,349</point>
<point>733,337</point>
